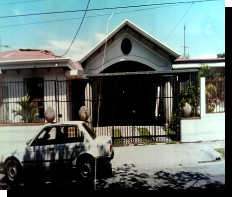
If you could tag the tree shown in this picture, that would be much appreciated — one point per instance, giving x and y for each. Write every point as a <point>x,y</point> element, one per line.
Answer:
<point>221,55</point>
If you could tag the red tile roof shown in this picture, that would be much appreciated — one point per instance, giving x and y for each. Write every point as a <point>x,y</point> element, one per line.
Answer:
<point>27,54</point>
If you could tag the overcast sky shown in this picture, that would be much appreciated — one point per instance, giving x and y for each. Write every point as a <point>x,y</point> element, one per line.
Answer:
<point>205,24</point>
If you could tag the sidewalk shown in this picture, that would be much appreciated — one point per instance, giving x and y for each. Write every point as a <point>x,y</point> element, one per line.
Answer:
<point>168,155</point>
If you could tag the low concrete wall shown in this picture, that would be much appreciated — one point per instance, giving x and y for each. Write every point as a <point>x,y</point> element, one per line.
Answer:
<point>10,135</point>
<point>207,128</point>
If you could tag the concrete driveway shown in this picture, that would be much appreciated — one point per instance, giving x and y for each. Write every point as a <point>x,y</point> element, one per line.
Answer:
<point>168,155</point>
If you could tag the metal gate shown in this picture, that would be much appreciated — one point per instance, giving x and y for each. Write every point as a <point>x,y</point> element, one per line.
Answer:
<point>137,109</point>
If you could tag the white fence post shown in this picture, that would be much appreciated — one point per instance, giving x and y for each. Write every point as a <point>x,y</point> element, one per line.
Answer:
<point>203,101</point>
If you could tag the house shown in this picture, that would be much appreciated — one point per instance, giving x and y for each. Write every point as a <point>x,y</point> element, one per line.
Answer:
<point>130,83</point>
<point>32,72</point>
<point>217,63</point>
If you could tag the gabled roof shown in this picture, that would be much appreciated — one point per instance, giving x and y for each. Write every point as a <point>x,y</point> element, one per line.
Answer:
<point>138,30</point>
<point>25,58</point>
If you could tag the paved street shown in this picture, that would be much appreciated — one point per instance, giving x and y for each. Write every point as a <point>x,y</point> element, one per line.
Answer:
<point>158,167</point>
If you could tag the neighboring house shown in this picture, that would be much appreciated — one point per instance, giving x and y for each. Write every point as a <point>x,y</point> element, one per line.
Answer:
<point>217,63</point>
<point>35,73</point>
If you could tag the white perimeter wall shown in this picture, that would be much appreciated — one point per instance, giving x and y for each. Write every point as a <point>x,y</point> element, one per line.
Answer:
<point>209,127</point>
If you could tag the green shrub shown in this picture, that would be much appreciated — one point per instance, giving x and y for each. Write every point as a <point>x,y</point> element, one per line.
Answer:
<point>145,135</point>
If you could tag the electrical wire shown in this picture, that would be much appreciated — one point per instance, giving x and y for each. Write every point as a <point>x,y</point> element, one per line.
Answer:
<point>109,8</point>
<point>77,29</point>
<point>178,22</point>
<point>76,18</point>
<point>20,2</point>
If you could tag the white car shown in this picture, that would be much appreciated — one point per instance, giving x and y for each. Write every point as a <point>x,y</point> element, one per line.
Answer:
<point>69,144</point>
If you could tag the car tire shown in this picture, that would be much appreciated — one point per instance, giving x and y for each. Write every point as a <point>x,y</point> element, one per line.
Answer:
<point>12,171</point>
<point>86,169</point>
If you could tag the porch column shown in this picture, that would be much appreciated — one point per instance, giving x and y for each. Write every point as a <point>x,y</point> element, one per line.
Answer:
<point>88,100</point>
<point>203,101</point>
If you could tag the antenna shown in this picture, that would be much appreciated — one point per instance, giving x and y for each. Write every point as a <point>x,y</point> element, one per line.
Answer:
<point>185,42</point>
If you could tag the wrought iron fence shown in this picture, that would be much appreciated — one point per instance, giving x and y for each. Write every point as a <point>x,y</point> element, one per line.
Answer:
<point>215,95</point>
<point>132,110</point>
<point>26,101</point>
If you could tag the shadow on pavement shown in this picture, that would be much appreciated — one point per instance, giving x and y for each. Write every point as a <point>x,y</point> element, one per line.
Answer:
<point>52,180</point>
<point>126,177</point>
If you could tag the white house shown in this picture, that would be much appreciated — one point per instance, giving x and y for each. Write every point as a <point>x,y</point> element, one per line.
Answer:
<point>130,80</point>
<point>34,72</point>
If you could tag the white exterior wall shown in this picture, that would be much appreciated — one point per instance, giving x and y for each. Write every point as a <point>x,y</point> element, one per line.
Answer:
<point>209,127</point>
<point>16,91</point>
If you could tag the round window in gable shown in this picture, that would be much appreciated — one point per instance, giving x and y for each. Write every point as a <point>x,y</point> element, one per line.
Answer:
<point>126,46</point>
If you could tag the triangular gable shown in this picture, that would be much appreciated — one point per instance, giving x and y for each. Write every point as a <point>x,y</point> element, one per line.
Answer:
<point>146,50</point>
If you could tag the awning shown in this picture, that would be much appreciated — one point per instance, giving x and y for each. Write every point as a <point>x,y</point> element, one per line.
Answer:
<point>163,73</point>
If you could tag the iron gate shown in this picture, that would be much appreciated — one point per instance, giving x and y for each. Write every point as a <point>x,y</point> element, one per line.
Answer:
<point>141,108</point>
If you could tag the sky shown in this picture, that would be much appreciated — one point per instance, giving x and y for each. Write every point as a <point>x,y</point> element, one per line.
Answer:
<point>204,21</point>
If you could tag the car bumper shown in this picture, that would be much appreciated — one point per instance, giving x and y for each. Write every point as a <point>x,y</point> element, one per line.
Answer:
<point>105,160</point>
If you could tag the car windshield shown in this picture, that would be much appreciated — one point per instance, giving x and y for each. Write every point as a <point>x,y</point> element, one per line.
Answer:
<point>91,133</point>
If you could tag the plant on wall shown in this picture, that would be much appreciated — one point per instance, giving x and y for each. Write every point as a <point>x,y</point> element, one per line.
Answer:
<point>210,89</point>
<point>189,95</point>
<point>27,111</point>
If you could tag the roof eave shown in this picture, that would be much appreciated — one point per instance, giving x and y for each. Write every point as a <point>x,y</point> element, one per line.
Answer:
<point>69,62</point>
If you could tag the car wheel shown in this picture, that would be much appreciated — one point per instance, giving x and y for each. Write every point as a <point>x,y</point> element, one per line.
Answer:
<point>86,169</point>
<point>12,171</point>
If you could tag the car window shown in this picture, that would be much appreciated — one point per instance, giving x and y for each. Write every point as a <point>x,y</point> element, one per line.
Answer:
<point>71,134</point>
<point>59,135</point>
<point>46,137</point>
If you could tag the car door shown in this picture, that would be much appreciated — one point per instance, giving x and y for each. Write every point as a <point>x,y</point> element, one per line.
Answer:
<point>69,144</point>
<point>42,148</point>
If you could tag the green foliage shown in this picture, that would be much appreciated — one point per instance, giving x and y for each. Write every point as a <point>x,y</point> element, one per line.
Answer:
<point>145,135</point>
<point>27,110</point>
<point>190,96</point>
<point>221,55</point>
<point>206,71</point>
<point>211,92</point>
<point>222,151</point>
<point>117,137</point>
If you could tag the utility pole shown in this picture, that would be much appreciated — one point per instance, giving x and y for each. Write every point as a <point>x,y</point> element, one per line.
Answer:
<point>2,45</point>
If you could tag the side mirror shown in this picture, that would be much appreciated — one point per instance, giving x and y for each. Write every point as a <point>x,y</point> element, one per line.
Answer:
<point>28,142</point>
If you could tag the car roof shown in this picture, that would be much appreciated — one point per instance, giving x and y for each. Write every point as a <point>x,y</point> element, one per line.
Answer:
<point>65,123</point>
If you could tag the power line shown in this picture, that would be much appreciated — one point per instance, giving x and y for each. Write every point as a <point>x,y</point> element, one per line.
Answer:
<point>77,29</point>
<point>20,2</point>
<point>178,22</point>
<point>76,18</point>
<point>109,8</point>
